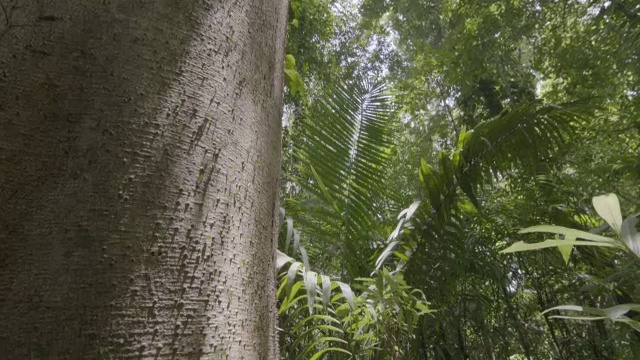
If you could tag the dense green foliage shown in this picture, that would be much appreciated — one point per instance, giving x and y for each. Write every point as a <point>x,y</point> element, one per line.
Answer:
<point>493,117</point>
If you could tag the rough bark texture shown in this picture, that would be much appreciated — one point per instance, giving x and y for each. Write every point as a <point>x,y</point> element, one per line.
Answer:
<point>139,162</point>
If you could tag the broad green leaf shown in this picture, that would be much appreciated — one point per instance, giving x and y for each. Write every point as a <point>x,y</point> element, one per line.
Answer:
<point>608,207</point>
<point>522,246</point>
<point>633,323</point>
<point>310,283</point>
<point>630,235</point>
<point>465,137</point>
<point>397,230</point>
<point>348,293</point>
<point>294,81</point>
<point>587,318</point>
<point>612,313</point>
<point>409,211</point>
<point>296,240</point>
<point>401,256</point>
<point>564,307</point>
<point>617,311</point>
<point>305,258</point>
<point>567,232</point>
<point>326,289</point>
<point>281,259</point>
<point>289,62</point>
<point>291,274</point>
<point>565,250</point>
<point>431,181</point>
<point>456,160</point>
<point>423,308</point>
<point>385,253</point>
<point>294,290</point>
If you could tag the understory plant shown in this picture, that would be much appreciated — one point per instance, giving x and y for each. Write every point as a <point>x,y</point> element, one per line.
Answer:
<point>625,239</point>
<point>322,318</point>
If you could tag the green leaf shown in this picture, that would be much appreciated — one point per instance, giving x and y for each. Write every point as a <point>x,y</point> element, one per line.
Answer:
<point>281,259</point>
<point>397,230</point>
<point>293,81</point>
<point>324,189</point>
<point>317,355</point>
<point>289,233</point>
<point>464,138</point>
<point>401,256</point>
<point>408,212</point>
<point>348,294</point>
<point>364,337</point>
<point>587,318</point>
<point>567,232</point>
<point>326,289</point>
<point>522,246</point>
<point>612,313</point>
<point>615,312</point>
<point>633,323</point>
<point>347,145</point>
<point>608,207</point>
<point>564,307</point>
<point>294,290</point>
<point>431,181</point>
<point>565,250</point>
<point>291,274</point>
<point>630,235</point>
<point>283,284</point>
<point>292,77</point>
<point>296,240</point>
<point>310,283</point>
<point>289,62</point>
<point>385,254</point>
<point>305,258</point>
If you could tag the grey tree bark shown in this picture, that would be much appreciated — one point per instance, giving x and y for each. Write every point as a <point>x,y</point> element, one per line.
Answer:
<point>139,167</point>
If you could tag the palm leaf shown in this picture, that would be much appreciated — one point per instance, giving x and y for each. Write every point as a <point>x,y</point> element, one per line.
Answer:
<point>342,155</point>
<point>528,133</point>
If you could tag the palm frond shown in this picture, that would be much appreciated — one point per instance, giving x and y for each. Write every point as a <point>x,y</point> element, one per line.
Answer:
<point>343,153</point>
<point>529,133</point>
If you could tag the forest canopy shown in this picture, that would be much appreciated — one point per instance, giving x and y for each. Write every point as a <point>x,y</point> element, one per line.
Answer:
<point>421,138</point>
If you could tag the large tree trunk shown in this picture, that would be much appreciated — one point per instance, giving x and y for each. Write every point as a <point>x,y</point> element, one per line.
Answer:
<point>139,162</point>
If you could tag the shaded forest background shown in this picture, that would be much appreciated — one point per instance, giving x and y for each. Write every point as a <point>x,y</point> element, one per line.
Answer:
<point>420,137</point>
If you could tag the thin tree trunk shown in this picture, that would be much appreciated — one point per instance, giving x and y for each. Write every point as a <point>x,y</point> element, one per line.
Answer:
<point>139,167</point>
